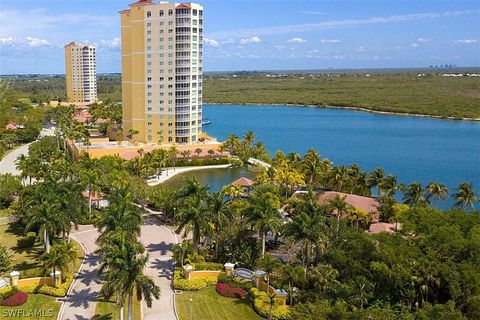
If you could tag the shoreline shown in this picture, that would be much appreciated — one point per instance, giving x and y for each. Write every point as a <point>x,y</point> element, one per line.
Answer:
<point>168,173</point>
<point>360,109</point>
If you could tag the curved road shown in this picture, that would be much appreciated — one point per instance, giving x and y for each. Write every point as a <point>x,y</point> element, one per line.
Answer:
<point>158,240</point>
<point>7,164</point>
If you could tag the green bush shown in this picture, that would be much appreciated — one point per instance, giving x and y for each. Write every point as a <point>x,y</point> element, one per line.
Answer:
<point>261,305</point>
<point>202,162</point>
<point>180,283</point>
<point>208,266</point>
<point>235,282</point>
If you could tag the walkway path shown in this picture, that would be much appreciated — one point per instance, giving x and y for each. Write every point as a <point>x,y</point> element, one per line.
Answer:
<point>168,173</point>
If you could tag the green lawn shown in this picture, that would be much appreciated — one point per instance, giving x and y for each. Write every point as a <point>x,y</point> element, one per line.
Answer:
<point>26,259</point>
<point>45,307</point>
<point>108,310</point>
<point>207,304</point>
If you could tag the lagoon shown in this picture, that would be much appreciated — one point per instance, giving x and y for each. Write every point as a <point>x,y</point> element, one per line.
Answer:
<point>412,148</point>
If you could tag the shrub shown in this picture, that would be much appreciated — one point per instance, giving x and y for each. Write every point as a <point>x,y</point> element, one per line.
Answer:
<point>17,299</point>
<point>208,266</point>
<point>230,292</point>
<point>235,282</point>
<point>261,305</point>
<point>180,283</point>
<point>59,291</point>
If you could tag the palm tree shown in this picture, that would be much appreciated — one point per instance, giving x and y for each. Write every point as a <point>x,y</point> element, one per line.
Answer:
<point>375,178</point>
<point>292,275</point>
<point>124,259</point>
<point>340,207</point>
<point>198,151</point>
<point>413,194</point>
<point>211,152</point>
<point>192,217</point>
<point>160,155</point>
<point>190,187</point>
<point>217,217</point>
<point>121,214</point>
<point>269,264</point>
<point>91,179</point>
<point>47,216</point>
<point>465,196</point>
<point>172,155</point>
<point>133,132</point>
<point>388,185</point>
<point>232,191</point>
<point>436,191</point>
<point>262,213</point>
<point>59,258</point>
<point>181,251</point>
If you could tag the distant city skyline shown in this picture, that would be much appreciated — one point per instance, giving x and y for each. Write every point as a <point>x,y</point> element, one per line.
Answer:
<point>256,35</point>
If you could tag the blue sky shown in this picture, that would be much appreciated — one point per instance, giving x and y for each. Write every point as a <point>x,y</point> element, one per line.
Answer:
<point>256,35</point>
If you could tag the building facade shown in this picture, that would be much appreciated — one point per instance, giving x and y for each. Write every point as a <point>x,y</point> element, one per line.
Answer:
<point>162,71</point>
<point>81,73</point>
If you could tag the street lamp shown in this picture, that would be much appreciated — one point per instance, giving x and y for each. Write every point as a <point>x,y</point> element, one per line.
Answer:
<point>174,212</point>
<point>191,303</point>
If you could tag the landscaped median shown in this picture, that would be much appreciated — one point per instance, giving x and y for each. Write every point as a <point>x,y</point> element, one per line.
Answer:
<point>214,294</point>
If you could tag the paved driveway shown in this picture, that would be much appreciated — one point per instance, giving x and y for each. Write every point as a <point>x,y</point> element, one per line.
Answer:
<point>7,164</point>
<point>158,241</point>
<point>81,301</point>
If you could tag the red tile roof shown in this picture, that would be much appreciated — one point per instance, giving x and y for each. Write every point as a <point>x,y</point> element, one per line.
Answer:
<point>244,182</point>
<point>366,204</point>
<point>124,11</point>
<point>11,126</point>
<point>141,2</point>
<point>98,196</point>
<point>182,5</point>
<point>381,227</point>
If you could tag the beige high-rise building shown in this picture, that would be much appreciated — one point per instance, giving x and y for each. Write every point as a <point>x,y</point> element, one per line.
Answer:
<point>81,74</point>
<point>162,71</point>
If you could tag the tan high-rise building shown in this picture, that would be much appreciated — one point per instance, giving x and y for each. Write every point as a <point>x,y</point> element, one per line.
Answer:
<point>162,71</point>
<point>81,74</point>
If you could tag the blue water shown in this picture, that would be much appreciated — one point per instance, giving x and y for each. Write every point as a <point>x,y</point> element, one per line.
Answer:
<point>414,149</point>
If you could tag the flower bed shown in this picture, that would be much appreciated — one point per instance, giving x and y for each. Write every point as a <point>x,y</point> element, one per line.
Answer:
<point>15,300</point>
<point>180,283</point>
<point>230,292</point>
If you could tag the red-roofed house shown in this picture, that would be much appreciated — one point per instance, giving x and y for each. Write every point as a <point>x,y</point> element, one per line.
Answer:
<point>11,126</point>
<point>366,204</point>
<point>98,199</point>
<point>243,182</point>
<point>379,227</point>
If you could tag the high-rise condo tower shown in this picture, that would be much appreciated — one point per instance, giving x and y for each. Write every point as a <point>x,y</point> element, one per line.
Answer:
<point>162,71</point>
<point>81,74</point>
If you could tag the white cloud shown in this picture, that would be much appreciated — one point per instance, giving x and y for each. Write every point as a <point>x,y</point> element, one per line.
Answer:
<point>466,41</point>
<point>36,42</point>
<point>254,39</point>
<point>298,28</point>
<point>360,49</point>
<point>330,41</point>
<point>422,40</point>
<point>316,13</point>
<point>212,42</point>
<point>6,40</point>
<point>414,45</point>
<point>296,40</point>
<point>111,43</point>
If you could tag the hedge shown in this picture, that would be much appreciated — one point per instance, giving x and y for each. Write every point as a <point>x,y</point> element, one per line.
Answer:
<point>180,283</point>
<point>261,306</point>
<point>49,290</point>
<point>208,266</point>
